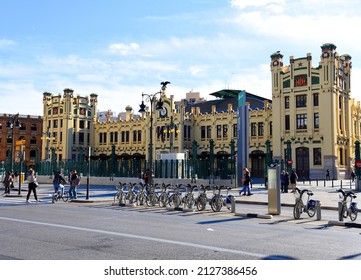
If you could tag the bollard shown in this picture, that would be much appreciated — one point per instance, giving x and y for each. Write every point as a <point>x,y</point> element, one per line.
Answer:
<point>318,210</point>
<point>233,204</point>
<point>341,184</point>
<point>340,214</point>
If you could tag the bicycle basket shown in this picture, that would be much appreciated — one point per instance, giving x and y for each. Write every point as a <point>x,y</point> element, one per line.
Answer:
<point>311,203</point>
<point>229,199</point>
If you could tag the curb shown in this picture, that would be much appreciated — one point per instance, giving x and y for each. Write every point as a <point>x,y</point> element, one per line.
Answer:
<point>251,215</point>
<point>344,224</point>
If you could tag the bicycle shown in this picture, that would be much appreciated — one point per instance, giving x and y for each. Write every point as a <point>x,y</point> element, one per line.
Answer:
<point>120,194</point>
<point>189,200</point>
<point>58,195</point>
<point>175,199</point>
<point>164,196</point>
<point>218,200</point>
<point>202,199</point>
<point>152,197</point>
<point>131,196</point>
<point>347,211</point>
<point>142,194</point>
<point>300,207</point>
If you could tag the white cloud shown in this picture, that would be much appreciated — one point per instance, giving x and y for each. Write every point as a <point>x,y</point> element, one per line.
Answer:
<point>4,43</point>
<point>124,49</point>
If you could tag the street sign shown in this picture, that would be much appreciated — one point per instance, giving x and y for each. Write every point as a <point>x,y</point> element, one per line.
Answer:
<point>290,161</point>
<point>358,164</point>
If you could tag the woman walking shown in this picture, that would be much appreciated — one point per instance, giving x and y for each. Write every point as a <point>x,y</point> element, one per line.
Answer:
<point>33,184</point>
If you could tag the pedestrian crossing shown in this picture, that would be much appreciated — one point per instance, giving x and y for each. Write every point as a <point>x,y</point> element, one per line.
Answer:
<point>13,200</point>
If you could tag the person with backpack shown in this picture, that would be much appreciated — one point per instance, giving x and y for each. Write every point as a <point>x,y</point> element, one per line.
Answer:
<point>74,183</point>
<point>293,180</point>
<point>8,182</point>
<point>58,182</point>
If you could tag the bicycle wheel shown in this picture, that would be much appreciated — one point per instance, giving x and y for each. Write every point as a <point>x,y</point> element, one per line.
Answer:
<point>121,198</point>
<point>141,199</point>
<point>297,210</point>
<point>116,197</point>
<point>151,199</point>
<point>353,213</point>
<point>189,200</point>
<point>174,201</point>
<point>201,203</point>
<point>132,198</point>
<point>216,203</point>
<point>54,198</point>
<point>65,196</point>
<point>163,198</point>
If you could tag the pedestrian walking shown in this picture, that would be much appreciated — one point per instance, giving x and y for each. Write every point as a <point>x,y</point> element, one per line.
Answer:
<point>286,181</point>
<point>8,182</point>
<point>74,183</point>
<point>353,176</point>
<point>293,180</point>
<point>327,174</point>
<point>246,180</point>
<point>32,185</point>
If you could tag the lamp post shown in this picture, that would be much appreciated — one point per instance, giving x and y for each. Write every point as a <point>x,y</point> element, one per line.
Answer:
<point>159,106</point>
<point>173,131</point>
<point>11,123</point>
<point>47,137</point>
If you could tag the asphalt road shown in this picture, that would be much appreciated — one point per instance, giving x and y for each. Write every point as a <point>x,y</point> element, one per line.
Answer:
<point>102,231</point>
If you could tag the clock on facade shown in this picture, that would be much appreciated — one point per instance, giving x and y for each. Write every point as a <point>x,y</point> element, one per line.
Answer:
<point>163,112</point>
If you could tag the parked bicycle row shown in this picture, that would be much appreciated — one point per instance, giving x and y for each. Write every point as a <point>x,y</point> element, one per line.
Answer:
<point>174,196</point>
<point>347,206</point>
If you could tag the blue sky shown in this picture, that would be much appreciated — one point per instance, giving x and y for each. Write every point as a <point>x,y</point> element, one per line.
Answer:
<point>119,49</point>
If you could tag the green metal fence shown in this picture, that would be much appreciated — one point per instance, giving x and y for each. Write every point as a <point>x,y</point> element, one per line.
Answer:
<point>201,168</point>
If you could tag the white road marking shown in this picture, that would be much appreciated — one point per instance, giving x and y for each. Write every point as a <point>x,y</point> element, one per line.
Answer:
<point>148,238</point>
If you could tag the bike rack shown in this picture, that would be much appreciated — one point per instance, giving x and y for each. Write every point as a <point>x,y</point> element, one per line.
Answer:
<point>318,210</point>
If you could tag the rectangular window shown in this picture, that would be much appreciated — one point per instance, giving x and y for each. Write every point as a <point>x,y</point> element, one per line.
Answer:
<point>301,101</point>
<point>55,123</point>
<point>219,131</point>
<point>111,137</point>
<point>287,102</point>
<point>81,138</point>
<point>203,132</point>
<point>260,129</point>
<point>209,131</point>
<point>253,129</point>
<point>134,136</point>
<point>317,159</point>
<point>139,135</point>
<point>225,131</point>
<point>123,136</point>
<point>316,120</point>
<point>287,122</point>
<point>301,121</point>
<point>81,124</point>
<point>127,136</point>
<point>270,128</point>
<point>315,99</point>
<point>100,138</point>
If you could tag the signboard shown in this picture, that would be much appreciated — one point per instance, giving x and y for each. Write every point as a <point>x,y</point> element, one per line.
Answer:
<point>290,161</point>
<point>358,164</point>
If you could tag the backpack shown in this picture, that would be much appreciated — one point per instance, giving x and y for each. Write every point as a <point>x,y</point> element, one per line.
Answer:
<point>75,182</point>
<point>56,180</point>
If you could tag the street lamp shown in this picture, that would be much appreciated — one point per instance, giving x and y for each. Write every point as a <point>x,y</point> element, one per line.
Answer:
<point>11,123</point>
<point>172,131</point>
<point>159,106</point>
<point>47,138</point>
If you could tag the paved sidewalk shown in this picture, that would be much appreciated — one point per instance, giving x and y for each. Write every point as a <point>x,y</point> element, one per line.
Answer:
<point>325,192</point>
